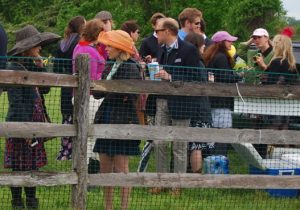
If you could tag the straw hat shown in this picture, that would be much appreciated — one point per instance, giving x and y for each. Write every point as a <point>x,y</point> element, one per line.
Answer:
<point>29,37</point>
<point>118,39</point>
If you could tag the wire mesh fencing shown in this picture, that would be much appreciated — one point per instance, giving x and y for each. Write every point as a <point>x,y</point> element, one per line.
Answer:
<point>194,122</point>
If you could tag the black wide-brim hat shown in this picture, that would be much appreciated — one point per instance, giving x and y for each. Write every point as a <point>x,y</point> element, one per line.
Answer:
<point>29,37</point>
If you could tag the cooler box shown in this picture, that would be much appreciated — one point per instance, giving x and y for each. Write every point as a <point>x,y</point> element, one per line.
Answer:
<point>277,152</point>
<point>258,165</point>
<point>291,158</point>
<point>278,167</point>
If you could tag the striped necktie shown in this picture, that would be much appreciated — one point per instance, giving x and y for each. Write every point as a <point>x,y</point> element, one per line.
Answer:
<point>168,49</point>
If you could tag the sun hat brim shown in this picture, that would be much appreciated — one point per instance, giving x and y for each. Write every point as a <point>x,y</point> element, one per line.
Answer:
<point>116,40</point>
<point>40,39</point>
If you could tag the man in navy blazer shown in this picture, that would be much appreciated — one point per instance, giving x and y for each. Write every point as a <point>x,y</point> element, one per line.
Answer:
<point>149,46</point>
<point>178,59</point>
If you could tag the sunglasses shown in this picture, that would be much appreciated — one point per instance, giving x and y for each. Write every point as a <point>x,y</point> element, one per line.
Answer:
<point>197,23</point>
<point>158,30</point>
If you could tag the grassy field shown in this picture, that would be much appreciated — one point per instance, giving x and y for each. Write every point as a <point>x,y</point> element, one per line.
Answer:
<point>58,198</point>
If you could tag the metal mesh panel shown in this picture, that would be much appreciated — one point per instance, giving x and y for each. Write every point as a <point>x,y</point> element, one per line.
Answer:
<point>177,103</point>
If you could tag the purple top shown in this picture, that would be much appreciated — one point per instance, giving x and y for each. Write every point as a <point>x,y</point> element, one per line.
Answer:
<point>97,62</point>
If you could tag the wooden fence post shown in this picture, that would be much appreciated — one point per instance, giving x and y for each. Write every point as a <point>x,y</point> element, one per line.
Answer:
<point>81,122</point>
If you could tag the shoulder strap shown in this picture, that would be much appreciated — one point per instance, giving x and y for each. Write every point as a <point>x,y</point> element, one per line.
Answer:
<point>113,70</point>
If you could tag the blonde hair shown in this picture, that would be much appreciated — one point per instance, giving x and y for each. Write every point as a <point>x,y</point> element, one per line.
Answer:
<point>123,56</point>
<point>283,49</point>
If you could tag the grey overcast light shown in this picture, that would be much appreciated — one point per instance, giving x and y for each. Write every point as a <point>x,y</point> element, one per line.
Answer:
<point>292,7</point>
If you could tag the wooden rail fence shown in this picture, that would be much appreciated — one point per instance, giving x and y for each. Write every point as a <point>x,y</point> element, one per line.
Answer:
<point>80,130</point>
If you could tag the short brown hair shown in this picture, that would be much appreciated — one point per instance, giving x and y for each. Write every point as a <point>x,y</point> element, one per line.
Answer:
<point>170,24</point>
<point>195,39</point>
<point>130,26</point>
<point>155,17</point>
<point>92,29</point>
<point>189,14</point>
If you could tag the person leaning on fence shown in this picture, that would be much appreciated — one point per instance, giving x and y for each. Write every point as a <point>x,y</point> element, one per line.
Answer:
<point>117,108</point>
<point>220,64</point>
<point>63,64</point>
<point>88,44</point>
<point>259,57</point>
<point>26,104</point>
<point>198,150</point>
<point>281,70</point>
<point>174,56</point>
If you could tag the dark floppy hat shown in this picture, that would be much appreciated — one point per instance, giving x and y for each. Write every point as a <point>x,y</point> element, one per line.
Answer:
<point>29,37</point>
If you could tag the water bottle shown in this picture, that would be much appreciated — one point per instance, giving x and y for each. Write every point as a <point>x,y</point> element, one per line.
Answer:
<point>216,164</point>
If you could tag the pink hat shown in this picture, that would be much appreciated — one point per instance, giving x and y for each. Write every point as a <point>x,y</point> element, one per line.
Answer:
<point>223,36</point>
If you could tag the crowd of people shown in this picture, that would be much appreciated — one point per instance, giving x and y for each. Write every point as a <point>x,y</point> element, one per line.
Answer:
<point>184,53</point>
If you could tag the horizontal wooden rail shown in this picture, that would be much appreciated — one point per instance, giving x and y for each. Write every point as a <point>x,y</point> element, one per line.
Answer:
<point>197,89</point>
<point>171,133</point>
<point>10,77</point>
<point>30,179</point>
<point>161,133</point>
<point>195,180</point>
<point>31,130</point>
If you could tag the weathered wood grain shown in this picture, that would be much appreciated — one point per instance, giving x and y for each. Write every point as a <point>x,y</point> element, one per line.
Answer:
<point>195,180</point>
<point>81,122</point>
<point>10,77</point>
<point>172,133</point>
<point>31,179</point>
<point>31,130</point>
<point>197,89</point>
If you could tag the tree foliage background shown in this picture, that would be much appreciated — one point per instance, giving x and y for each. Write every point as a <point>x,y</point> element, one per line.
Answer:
<point>237,17</point>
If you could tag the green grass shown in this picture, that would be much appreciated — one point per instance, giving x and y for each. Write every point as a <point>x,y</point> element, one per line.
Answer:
<point>58,198</point>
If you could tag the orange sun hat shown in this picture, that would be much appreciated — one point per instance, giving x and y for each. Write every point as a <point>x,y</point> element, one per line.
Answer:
<point>118,39</point>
